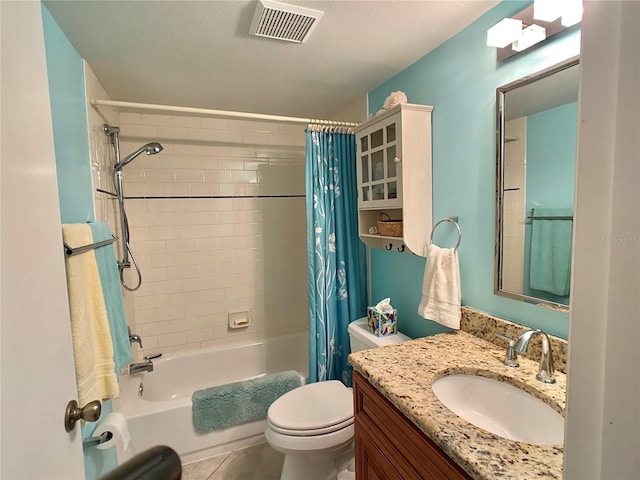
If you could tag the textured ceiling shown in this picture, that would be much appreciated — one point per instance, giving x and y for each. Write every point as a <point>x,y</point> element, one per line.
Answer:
<point>200,54</point>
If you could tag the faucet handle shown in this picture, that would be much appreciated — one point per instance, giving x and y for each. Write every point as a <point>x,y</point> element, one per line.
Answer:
<point>134,338</point>
<point>510,357</point>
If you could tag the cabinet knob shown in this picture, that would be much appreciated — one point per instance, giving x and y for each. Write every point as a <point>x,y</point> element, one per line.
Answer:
<point>396,159</point>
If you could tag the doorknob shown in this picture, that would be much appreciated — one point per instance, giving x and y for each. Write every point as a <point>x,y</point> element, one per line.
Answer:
<point>89,413</point>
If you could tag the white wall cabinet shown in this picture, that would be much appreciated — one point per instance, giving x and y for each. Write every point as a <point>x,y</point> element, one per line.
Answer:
<point>394,176</point>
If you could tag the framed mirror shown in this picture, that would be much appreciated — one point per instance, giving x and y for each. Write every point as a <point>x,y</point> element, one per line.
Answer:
<point>536,151</point>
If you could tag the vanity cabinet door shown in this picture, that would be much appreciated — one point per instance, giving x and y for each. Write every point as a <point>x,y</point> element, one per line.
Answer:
<point>371,463</point>
<point>390,446</point>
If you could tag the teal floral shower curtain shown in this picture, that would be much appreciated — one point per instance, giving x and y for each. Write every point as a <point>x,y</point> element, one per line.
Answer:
<point>336,256</point>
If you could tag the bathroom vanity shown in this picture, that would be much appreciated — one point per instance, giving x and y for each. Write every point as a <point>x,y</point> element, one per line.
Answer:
<point>388,446</point>
<point>403,431</point>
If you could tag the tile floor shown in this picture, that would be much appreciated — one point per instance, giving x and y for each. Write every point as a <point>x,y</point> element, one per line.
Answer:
<point>259,462</point>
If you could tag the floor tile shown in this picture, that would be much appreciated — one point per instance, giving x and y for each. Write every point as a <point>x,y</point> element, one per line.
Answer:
<point>260,462</point>
<point>203,469</point>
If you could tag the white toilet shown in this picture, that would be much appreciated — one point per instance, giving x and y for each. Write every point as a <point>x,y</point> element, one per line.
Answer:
<point>313,424</point>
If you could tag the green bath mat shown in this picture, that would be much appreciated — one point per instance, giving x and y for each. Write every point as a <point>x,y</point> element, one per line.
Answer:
<point>236,403</point>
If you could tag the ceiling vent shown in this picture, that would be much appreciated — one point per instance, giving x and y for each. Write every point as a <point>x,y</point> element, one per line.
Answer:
<point>284,22</point>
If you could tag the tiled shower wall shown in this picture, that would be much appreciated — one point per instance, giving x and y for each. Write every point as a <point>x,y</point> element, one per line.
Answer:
<point>218,225</point>
<point>514,206</point>
<point>102,157</point>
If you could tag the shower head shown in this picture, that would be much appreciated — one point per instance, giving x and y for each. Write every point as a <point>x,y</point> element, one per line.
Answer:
<point>150,149</point>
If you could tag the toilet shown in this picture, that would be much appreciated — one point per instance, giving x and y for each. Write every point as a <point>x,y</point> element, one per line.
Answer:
<point>313,424</point>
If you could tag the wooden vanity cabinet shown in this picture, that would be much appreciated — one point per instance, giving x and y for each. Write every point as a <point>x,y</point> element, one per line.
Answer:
<point>389,446</point>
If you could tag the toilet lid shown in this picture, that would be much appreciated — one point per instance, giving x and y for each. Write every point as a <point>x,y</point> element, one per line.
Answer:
<point>314,408</point>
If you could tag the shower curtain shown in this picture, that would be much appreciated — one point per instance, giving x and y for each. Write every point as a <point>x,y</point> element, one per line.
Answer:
<point>336,256</point>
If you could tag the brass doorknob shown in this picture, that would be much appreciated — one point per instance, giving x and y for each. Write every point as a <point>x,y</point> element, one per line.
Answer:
<point>89,413</point>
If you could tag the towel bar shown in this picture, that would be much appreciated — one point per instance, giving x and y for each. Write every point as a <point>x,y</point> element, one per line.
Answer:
<point>531,216</point>
<point>85,248</point>
<point>450,220</point>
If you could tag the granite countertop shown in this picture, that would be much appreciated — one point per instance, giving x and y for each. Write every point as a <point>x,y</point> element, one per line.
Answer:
<point>403,373</point>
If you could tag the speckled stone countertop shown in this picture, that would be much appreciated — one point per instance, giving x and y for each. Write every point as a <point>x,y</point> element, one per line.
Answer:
<point>404,373</point>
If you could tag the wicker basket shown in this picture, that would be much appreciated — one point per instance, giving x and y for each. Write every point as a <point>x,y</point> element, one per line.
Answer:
<point>388,227</point>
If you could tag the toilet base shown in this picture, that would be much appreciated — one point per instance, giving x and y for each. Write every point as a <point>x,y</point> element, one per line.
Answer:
<point>317,465</point>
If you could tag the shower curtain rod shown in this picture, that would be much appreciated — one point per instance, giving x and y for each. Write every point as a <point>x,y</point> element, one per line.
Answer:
<point>216,113</point>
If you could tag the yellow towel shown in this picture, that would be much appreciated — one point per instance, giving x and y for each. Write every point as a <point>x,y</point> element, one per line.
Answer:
<point>92,346</point>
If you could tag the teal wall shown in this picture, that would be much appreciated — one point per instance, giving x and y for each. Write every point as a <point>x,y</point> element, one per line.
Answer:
<point>71,141</point>
<point>551,156</point>
<point>551,169</point>
<point>70,131</point>
<point>459,79</point>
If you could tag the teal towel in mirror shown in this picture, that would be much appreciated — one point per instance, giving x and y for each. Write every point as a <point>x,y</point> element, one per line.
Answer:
<point>236,403</point>
<point>550,268</point>
<point>109,277</point>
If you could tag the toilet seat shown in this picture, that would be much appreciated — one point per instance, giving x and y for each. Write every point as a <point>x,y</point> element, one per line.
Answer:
<point>311,432</point>
<point>314,409</point>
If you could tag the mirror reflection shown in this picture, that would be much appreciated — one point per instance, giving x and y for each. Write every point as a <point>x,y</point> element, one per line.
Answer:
<point>537,124</point>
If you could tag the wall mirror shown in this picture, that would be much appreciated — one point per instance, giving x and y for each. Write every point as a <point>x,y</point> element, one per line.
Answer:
<point>536,151</point>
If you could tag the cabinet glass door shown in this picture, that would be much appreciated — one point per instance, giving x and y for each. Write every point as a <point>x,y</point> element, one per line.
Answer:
<point>378,167</point>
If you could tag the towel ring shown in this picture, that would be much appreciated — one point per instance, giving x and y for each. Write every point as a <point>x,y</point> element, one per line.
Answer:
<point>450,220</point>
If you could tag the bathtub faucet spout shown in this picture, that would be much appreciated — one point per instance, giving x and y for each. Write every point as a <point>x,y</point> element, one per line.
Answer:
<point>141,367</point>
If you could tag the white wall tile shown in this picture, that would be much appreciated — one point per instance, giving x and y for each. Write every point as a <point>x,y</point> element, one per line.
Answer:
<point>203,162</point>
<point>172,133</point>
<point>156,328</point>
<point>169,286</point>
<point>215,123</point>
<point>172,339</point>
<point>155,119</point>
<point>186,121</point>
<point>175,189</point>
<point>189,175</point>
<point>205,189</point>
<point>144,131</point>
<point>230,164</point>
<point>201,134</point>
<point>205,257</point>
<point>130,118</point>
<point>228,136</point>
<point>162,233</point>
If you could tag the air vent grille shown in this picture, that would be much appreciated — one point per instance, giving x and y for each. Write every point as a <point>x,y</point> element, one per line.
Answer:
<point>284,22</point>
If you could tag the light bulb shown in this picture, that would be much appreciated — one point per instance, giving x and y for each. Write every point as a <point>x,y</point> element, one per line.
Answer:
<point>506,31</point>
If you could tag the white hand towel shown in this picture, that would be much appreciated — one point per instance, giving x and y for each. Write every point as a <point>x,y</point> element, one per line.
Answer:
<point>441,297</point>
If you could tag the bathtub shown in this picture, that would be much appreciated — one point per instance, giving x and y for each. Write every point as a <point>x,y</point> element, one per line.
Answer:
<point>162,415</point>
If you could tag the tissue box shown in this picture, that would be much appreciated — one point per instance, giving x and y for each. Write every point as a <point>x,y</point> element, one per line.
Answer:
<point>382,323</point>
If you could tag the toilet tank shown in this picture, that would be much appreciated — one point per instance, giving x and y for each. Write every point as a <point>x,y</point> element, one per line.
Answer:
<point>362,339</point>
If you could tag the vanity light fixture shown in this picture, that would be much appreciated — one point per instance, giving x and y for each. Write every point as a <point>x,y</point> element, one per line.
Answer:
<point>535,24</point>
<point>547,10</point>
<point>530,36</point>
<point>551,10</point>
<point>506,31</point>
<point>573,13</point>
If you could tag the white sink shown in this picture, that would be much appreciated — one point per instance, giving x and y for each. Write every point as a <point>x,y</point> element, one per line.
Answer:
<point>501,409</point>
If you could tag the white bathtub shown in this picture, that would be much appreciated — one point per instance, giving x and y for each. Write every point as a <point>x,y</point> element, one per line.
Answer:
<point>162,415</point>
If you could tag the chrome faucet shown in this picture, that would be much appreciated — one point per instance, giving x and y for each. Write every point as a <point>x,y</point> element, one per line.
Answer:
<point>140,367</point>
<point>546,371</point>
<point>510,356</point>
<point>134,338</point>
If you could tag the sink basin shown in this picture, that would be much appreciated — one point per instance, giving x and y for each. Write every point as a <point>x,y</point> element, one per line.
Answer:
<point>501,409</point>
